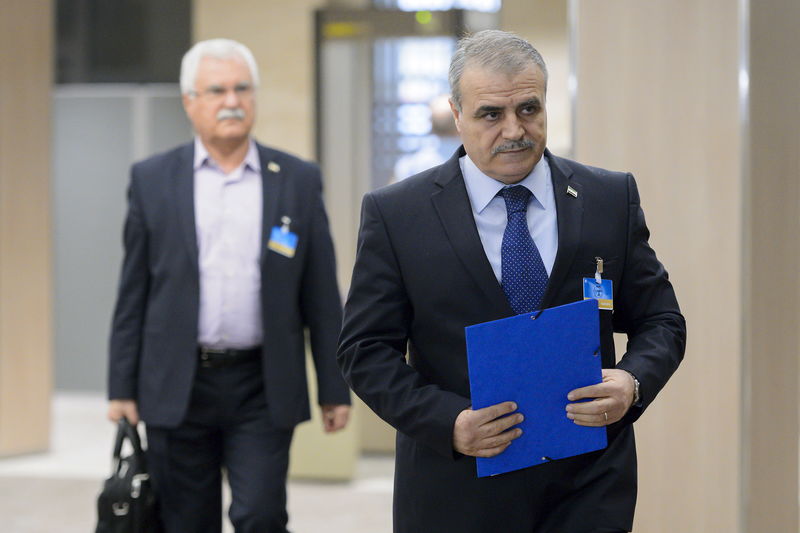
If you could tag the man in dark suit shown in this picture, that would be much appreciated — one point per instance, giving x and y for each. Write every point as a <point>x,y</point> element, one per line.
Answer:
<point>504,227</point>
<point>228,260</point>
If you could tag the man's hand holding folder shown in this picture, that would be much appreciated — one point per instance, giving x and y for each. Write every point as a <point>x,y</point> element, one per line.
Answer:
<point>486,432</point>
<point>610,400</point>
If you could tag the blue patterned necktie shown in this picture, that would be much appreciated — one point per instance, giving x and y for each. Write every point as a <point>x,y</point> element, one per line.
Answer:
<point>523,273</point>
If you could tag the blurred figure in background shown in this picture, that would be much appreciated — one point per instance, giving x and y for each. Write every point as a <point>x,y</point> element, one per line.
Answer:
<point>228,259</point>
<point>440,145</point>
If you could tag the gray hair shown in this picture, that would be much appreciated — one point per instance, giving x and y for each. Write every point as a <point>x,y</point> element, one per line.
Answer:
<point>494,49</point>
<point>219,49</point>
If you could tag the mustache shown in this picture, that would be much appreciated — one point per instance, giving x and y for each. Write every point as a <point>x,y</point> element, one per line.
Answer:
<point>236,113</point>
<point>509,146</point>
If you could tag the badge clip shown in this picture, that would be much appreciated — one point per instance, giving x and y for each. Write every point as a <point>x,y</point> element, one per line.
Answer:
<point>598,288</point>
<point>597,273</point>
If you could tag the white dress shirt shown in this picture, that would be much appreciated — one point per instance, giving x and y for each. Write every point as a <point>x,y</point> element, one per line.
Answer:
<point>491,218</point>
<point>228,210</point>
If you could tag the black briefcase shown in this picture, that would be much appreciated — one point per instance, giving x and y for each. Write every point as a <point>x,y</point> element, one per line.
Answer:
<point>127,503</point>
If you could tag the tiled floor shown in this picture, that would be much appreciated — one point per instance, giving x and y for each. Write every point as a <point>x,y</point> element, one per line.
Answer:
<point>55,492</point>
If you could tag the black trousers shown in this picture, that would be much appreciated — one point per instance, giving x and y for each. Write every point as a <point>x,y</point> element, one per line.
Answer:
<point>589,493</point>
<point>227,427</point>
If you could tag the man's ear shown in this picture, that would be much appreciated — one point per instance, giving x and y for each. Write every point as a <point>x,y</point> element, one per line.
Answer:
<point>186,100</point>
<point>456,114</point>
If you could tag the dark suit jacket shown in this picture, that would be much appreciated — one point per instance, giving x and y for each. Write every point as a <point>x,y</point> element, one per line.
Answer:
<point>421,276</point>
<point>153,348</point>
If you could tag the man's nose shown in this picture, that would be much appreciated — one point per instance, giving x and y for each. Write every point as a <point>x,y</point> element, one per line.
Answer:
<point>231,98</point>
<point>512,127</point>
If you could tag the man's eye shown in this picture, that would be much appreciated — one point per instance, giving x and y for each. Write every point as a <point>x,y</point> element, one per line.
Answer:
<point>216,91</point>
<point>491,116</point>
<point>530,110</point>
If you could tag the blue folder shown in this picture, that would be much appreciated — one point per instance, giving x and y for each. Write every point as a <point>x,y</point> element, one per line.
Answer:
<point>535,361</point>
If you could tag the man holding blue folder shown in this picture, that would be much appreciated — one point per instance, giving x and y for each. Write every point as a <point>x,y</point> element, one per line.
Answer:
<point>504,228</point>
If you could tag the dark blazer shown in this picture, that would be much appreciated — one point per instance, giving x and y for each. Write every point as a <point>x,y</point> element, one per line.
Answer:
<point>421,276</point>
<point>153,347</point>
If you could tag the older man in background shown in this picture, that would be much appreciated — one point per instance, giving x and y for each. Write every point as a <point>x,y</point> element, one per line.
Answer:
<point>228,261</point>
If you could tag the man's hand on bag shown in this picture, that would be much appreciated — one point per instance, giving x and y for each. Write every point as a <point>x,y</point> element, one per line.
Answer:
<point>334,417</point>
<point>127,408</point>
<point>486,432</point>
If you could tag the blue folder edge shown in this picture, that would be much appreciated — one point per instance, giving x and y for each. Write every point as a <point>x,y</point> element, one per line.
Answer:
<point>535,363</point>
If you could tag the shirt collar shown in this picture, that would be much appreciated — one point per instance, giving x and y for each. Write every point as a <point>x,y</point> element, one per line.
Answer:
<point>482,189</point>
<point>202,158</point>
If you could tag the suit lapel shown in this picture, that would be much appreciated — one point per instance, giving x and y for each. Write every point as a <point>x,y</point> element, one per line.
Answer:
<point>183,189</point>
<point>271,180</point>
<point>569,208</point>
<point>455,212</point>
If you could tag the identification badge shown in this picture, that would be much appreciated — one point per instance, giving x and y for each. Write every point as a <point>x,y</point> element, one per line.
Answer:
<point>599,289</point>
<point>603,292</point>
<point>281,240</point>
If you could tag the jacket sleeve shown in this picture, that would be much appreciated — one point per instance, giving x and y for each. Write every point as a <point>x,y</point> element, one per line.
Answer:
<point>321,303</point>
<point>647,310</point>
<point>126,328</point>
<point>374,340</point>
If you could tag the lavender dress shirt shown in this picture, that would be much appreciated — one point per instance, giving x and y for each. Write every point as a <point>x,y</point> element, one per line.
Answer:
<point>228,210</point>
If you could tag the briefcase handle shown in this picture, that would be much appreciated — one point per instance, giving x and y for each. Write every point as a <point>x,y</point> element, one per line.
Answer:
<point>126,430</point>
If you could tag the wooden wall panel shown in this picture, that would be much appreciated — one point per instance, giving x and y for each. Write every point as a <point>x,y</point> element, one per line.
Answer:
<point>25,247</point>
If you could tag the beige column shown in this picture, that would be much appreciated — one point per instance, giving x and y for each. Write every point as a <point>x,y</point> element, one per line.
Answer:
<point>771,166</point>
<point>281,35</point>
<point>25,244</point>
